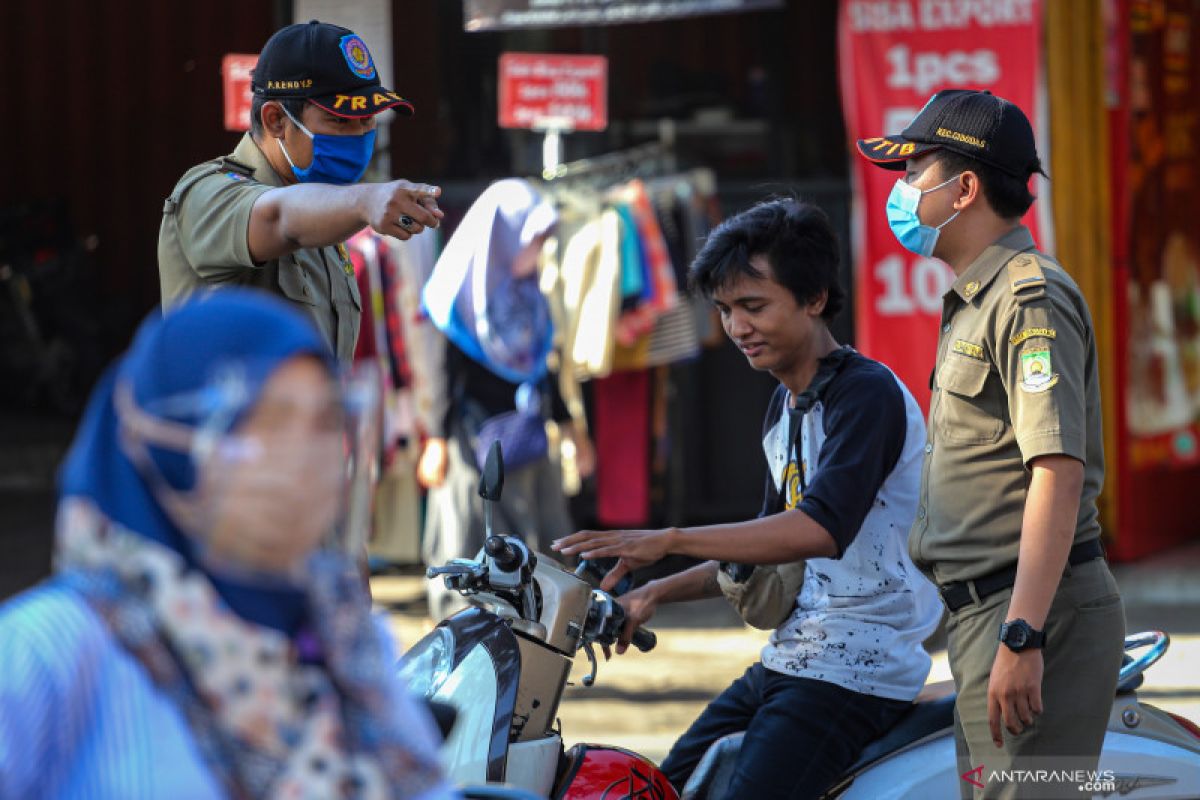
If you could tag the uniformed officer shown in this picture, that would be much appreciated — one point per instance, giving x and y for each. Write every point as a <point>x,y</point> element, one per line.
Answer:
<point>1007,524</point>
<point>275,213</point>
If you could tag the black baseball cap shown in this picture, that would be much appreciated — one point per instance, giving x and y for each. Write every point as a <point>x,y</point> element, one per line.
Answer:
<point>973,123</point>
<point>327,65</point>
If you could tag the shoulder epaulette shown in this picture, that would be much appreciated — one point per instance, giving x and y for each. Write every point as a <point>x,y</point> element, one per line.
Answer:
<point>1025,277</point>
<point>224,164</point>
<point>237,166</point>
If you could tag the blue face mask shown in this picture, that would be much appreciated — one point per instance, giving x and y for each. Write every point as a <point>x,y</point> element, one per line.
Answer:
<point>340,160</point>
<point>914,236</point>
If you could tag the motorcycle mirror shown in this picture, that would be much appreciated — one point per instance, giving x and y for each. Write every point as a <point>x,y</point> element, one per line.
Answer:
<point>491,483</point>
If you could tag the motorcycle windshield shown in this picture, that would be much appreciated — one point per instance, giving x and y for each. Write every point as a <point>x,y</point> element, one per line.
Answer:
<point>472,689</point>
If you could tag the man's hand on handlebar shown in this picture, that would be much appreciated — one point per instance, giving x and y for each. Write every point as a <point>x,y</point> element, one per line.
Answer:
<point>640,605</point>
<point>636,549</point>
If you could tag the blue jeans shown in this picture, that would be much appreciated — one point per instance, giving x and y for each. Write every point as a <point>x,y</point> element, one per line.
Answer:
<point>801,734</point>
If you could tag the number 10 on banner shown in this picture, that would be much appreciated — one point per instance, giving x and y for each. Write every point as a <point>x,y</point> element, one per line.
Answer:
<point>910,290</point>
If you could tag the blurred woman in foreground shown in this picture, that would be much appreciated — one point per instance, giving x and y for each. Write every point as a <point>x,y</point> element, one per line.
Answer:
<point>204,634</point>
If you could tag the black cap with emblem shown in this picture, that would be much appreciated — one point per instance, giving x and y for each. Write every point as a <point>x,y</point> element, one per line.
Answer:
<point>327,65</point>
<point>973,123</point>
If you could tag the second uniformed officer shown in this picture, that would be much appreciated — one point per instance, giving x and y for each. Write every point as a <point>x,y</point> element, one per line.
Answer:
<point>275,213</point>
<point>1007,524</point>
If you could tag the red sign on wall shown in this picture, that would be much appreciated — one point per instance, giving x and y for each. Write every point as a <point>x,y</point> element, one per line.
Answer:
<point>892,56</point>
<point>235,75</point>
<point>543,92</point>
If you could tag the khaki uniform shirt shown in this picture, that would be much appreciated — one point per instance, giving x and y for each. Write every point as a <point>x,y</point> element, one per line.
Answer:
<point>1016,378</point>
<point>203,243</point>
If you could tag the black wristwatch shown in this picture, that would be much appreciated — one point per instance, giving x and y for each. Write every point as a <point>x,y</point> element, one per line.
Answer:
<point>1018,635</point>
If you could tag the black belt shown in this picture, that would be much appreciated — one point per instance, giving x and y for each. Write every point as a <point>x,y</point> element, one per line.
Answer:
<point>958,593</point>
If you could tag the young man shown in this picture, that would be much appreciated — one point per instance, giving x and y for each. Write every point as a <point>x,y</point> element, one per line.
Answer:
<point>1007,525</point>
<point>841,492</point>
<point>276,212</point>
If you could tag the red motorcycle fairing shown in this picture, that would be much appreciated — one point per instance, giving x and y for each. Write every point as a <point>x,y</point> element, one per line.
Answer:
<point>600,772</point>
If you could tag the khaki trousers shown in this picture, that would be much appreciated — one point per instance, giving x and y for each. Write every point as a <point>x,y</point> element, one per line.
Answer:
<point>1085,633</point>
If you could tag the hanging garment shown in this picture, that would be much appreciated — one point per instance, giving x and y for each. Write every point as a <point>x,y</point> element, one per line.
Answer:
<point>495,316</point>
<point>424,344</point>
<point>638,309</point>
<point>591,269</point>
<point>622,439</point>
<point>666,292</point>
<point>390,274</point>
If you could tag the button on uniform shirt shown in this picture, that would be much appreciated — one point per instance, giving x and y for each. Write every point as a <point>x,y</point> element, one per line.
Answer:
<point>203,243</point>
<point>1015,378</point>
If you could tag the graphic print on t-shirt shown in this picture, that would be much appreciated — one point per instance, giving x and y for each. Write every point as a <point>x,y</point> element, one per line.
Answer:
<point>791,482</point>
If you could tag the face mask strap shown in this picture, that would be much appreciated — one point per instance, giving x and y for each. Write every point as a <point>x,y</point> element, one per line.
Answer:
<point>137,428</point>
<point>947,222</point>
<point>283,149</point>
<point>941,185</point>
<point>924,192</point>
<point>147,427</point>
<point>297,122</point>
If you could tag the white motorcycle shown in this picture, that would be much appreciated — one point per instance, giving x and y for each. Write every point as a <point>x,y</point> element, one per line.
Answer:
<point>503,664</point>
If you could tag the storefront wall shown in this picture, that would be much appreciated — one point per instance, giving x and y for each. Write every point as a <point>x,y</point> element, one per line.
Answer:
<point>107,104</point>
<point>1156,132</point>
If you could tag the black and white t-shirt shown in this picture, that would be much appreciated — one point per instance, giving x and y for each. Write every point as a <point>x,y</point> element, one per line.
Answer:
<point>860,618</point>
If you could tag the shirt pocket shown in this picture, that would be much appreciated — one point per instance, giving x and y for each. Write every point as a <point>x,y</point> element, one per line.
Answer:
<point>967,412</point>
<point>295,283</point>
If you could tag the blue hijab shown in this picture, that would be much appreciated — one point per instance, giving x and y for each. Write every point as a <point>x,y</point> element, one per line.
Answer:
<point>500,321</point>
<point>173,355</point>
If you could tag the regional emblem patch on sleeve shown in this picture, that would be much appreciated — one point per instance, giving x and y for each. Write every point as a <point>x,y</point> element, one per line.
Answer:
<point>1037,374</point>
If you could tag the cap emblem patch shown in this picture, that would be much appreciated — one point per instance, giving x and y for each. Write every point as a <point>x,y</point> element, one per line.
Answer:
<point>358,57</point>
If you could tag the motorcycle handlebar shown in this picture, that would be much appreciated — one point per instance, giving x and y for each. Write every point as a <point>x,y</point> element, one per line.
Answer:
<point>593,572</point>
<point>644,640</point>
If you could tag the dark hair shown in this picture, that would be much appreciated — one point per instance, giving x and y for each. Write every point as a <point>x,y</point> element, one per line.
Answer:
<point>1009,196</point>
<point>796,240</point>
<point>294,105</point>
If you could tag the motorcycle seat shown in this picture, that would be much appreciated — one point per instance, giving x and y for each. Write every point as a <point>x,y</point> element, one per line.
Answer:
<point>932,711</point>
<point>926,717</point>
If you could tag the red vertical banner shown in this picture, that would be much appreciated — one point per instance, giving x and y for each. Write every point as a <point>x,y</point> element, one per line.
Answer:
<point>236,71</point>
<point>892,57</point>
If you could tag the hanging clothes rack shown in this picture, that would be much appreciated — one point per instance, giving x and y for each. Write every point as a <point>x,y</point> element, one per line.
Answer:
<point>661,153</point>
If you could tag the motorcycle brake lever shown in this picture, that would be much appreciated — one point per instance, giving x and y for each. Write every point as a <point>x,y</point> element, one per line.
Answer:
<point>450,569</point>
<point>590,678</point>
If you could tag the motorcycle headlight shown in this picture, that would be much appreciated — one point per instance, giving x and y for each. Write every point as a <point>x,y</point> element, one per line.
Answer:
<point>428,664</point>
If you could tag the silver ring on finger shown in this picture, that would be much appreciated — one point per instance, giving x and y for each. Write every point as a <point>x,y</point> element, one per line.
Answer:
<point>407,222</point>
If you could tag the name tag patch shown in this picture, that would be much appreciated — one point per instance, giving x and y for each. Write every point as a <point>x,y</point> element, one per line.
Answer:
<point>1037,375</point>
<point>968,349</point>
<point>1031,333</point>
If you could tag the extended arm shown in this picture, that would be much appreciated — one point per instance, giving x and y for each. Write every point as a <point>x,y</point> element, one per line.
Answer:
<point>289,218</point>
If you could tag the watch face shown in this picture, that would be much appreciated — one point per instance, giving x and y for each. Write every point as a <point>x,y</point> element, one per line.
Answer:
<point>1018,636</point>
